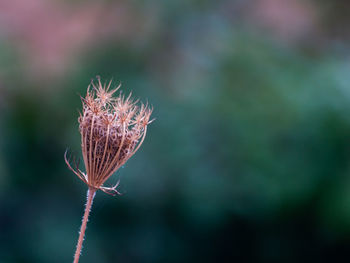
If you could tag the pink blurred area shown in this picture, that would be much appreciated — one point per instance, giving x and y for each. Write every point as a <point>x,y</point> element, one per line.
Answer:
<point>287,20</point>
<point>49,35</point>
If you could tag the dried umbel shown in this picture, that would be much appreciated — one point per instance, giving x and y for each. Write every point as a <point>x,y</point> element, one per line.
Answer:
<point>112,129</point>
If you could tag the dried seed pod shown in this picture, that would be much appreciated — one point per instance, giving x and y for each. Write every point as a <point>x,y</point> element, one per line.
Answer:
<point>112,129</point>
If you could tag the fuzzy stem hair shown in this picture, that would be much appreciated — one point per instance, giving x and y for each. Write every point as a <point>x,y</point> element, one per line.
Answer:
<point>90,197</point>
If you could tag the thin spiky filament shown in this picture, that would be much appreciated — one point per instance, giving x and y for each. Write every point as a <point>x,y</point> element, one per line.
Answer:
<point>112,129</point>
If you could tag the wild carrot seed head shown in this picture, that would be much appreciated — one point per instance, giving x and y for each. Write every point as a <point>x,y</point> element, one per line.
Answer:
<point>112,129</point>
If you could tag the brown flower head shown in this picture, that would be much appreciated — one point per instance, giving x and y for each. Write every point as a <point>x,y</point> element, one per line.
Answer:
<point>112,129</point>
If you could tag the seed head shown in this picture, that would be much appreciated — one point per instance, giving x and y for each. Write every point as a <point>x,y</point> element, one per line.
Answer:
<point>112,129</point>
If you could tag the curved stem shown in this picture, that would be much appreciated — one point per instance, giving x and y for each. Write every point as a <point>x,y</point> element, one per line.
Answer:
<point>90,197</point>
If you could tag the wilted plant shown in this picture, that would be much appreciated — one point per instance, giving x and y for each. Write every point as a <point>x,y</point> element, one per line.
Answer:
<point>112,129</point>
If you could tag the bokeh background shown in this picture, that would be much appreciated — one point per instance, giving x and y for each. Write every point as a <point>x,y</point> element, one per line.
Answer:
<point>248,159</point>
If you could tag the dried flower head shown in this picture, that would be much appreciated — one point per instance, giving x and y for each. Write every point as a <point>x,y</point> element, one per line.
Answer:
<point>112,129</point>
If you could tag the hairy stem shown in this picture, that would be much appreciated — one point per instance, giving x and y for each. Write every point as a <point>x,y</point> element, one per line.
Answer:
<point>90,197</point>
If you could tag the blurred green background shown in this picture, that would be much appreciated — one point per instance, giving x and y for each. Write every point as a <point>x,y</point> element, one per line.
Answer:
<point>247,161</point>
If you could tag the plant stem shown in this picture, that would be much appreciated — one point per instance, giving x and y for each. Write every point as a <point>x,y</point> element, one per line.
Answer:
<point>90,197</point>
